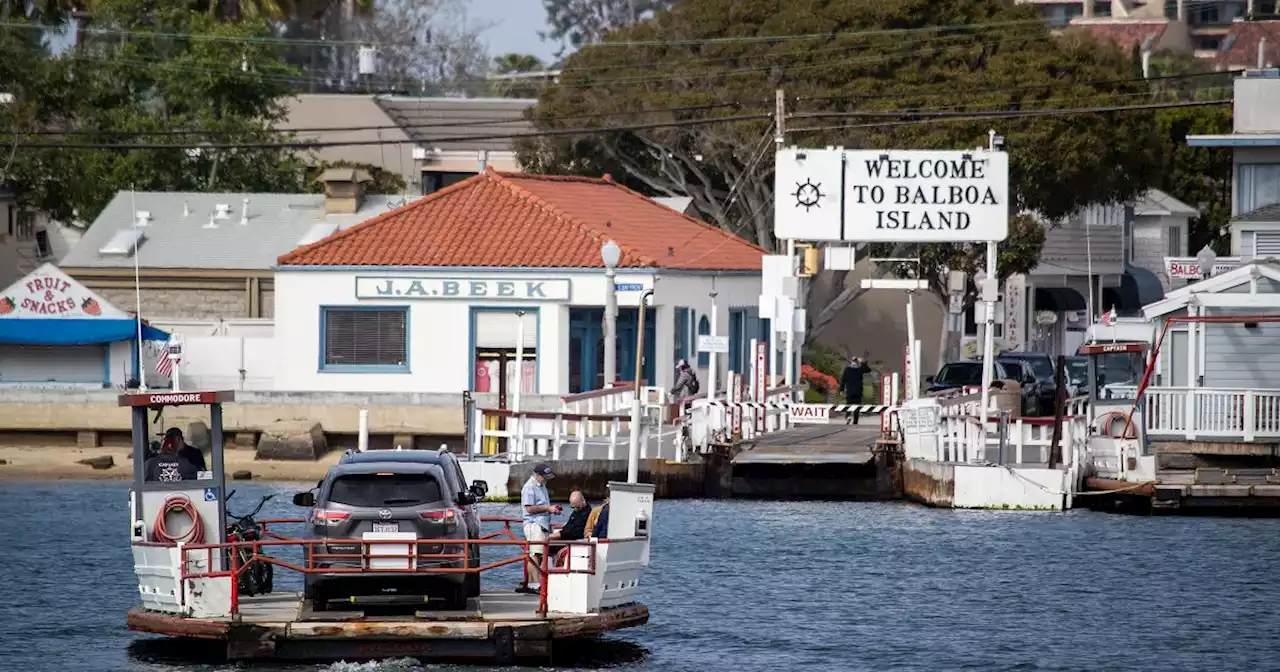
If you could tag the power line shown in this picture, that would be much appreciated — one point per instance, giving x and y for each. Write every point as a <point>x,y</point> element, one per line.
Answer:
<point>320,42</point>
<point>925,118</point>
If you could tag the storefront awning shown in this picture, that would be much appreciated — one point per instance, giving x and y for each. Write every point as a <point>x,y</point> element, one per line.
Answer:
<point>1138,287</point>
<point>55,331</point>
<point>1059,299</point>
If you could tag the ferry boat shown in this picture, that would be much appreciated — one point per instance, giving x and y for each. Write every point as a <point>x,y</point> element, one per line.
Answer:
<point>195,582</point>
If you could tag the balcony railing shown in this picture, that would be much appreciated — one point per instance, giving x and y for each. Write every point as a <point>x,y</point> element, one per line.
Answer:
<point>1212,413</point>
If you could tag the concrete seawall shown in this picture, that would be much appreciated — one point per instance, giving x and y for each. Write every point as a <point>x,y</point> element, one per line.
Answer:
<point>91,418</point>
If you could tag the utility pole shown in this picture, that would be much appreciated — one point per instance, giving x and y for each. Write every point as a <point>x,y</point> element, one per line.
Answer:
<point>779,141</point>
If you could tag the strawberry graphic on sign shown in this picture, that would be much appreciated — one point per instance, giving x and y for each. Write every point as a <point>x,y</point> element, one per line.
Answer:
<point>91,307</point>
<point>6,306</point>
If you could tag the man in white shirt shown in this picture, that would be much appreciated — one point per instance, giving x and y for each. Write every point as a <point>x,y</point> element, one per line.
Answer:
<point>537,507</point>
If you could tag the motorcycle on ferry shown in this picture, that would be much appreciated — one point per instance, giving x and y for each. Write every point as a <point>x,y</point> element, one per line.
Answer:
<point>257,578</point>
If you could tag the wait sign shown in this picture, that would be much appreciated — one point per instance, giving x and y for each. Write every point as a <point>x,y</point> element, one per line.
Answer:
<point>810,414</point>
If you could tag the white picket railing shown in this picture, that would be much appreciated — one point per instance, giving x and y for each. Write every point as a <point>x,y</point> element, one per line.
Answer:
<point>1211,413</point>
<point>1029,440</point>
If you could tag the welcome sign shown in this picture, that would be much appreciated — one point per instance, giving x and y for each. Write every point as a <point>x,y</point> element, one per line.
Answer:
<point>916,196</point>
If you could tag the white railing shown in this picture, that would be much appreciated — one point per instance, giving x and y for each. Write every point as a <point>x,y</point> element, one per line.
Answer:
<point>1192,413</point>
<point>710,423</point>
<point>609,401</point>
<point>1029,440</point>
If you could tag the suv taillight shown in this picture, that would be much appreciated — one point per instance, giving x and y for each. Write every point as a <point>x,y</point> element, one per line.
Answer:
<point>323,517</point>
<point>446,515</point>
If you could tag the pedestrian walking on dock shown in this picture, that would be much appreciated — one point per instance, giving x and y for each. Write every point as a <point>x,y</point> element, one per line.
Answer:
<point>851,385</point>
<point>686,382</point>
<point>536,504</point>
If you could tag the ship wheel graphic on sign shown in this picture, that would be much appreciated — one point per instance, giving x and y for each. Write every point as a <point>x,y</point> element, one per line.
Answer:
<point>808,194</point>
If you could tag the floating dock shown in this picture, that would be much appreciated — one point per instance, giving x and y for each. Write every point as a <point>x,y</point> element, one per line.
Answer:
<point>500,627</point>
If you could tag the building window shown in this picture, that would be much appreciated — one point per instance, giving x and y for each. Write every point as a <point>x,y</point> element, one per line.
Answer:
<point>1207,14</point>
<point>1175,241</point>
<point>435,181</point>
<point>364,339</point>
<point>1210,43</point>
<point>704,329</point>
<point>25,225</point>
<point>1257,185</point>
<point>43,248</point>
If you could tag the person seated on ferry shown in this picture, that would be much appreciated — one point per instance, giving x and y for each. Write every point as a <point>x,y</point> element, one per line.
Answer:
<point>168,465</point>
<point>576,527</point>
<point>598,521</point>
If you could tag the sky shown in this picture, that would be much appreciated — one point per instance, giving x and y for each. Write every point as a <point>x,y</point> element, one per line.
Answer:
<point>515,26</point>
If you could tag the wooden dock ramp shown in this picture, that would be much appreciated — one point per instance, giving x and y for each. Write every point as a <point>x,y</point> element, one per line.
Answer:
<point>831,461</point>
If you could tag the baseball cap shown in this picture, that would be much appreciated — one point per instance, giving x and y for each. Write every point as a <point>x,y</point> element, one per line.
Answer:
<point>173,432</point>
<point>543,470</point>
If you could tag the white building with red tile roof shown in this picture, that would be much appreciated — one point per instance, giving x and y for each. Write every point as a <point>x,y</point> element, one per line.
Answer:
<point>435,296</point>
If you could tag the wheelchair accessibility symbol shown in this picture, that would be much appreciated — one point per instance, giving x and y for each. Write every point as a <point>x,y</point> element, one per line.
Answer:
<point>210,495</point>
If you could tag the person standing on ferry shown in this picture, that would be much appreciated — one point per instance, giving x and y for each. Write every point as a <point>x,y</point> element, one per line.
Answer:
<point>536,505</point>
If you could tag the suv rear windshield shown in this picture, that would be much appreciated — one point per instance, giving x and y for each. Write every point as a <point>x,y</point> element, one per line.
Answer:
<point>964,373</point>
<point>375,490</point>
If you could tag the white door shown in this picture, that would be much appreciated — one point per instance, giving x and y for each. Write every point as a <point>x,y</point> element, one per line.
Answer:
<point>81,365</point>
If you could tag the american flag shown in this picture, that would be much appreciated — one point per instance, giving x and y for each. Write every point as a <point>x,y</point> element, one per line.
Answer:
<point>1109,317</point>
<point>164,365</point>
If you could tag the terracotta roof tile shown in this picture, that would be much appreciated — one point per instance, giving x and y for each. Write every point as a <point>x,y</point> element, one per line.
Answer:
<point>1241,43</point>
<point>520,220</point>
<point>1126,34</point>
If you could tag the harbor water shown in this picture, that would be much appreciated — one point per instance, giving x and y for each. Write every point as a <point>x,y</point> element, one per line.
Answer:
<point>755,586</point>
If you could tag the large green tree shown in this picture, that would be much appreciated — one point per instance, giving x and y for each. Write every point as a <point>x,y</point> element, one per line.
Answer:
<point>889,61</point>
<point>574,23</point>
<point>168,71</point>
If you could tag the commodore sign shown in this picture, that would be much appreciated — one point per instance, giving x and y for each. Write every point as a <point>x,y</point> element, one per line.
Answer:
<point>926,197</point>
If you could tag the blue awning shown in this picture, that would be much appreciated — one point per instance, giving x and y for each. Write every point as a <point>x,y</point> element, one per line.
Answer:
<point>36,331</point>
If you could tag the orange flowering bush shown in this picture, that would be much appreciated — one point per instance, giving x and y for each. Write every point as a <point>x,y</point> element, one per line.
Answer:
<point>818,381</point>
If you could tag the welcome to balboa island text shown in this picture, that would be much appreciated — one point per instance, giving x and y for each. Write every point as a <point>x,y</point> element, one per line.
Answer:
<point>944,215</point>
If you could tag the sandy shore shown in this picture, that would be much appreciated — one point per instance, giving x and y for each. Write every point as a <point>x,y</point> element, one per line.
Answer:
<point>29,463</point>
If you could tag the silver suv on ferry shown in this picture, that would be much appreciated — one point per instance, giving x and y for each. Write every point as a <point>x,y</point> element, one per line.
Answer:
<point>409,496</point>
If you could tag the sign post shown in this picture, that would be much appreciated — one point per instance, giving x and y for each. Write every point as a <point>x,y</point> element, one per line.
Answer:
<point>761,384</point>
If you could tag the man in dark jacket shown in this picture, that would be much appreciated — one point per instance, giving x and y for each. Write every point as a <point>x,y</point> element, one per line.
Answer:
<point>575,528</point>
<point>851,385</point>
<point>186,451</point>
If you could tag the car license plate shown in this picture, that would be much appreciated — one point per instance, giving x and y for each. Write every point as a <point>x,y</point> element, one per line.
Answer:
<point>386,527</point>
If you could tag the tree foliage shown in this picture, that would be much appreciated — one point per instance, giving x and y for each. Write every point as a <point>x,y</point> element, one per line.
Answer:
<point>1198,176</point>
<point>880,60</point>
<point>382,181</point>
<point>574,23</point>
<point>166,71</point>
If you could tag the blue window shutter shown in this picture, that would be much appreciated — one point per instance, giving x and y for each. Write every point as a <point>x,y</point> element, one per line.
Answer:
<point>704,329</point>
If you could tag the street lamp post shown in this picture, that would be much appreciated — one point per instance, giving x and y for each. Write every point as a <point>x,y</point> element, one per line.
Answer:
<point>633,454</point>
<point>1206,259</point>
<point>610,254</point>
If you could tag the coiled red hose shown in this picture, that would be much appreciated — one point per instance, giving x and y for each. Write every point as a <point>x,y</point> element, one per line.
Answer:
<point>178,504</point>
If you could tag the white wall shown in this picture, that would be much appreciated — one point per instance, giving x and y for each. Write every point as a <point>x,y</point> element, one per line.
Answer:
<point>440,333</point>
<point>694,291</point>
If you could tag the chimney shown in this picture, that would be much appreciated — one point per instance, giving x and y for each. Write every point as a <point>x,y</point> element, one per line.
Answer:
<point>343,190</point>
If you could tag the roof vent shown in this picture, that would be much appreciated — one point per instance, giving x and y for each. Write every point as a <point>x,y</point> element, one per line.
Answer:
<point>123,243</point>
<point>223,211</point>
<point>317,232</point>
<point>142,218</point>
<point>186,210</point>
<point>212,224</point>
<point>244,212</point>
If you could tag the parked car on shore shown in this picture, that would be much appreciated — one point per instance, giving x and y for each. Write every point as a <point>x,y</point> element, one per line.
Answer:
<point>1042,369</point>
<point>968,373</point>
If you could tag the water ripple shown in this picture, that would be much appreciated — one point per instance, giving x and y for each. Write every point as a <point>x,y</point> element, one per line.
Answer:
<point>749,586</point>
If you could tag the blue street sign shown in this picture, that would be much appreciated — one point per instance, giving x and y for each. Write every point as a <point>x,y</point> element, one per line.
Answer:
<point>629,287</point>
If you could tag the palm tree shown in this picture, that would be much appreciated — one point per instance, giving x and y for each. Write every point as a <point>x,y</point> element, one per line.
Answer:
<point>507,64</point>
